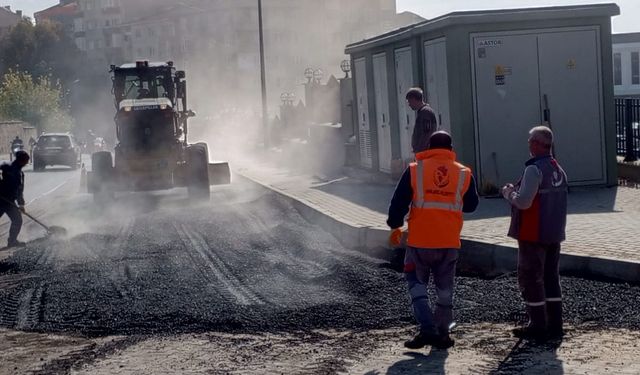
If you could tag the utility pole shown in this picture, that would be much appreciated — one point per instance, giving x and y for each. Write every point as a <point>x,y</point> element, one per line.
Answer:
<point>263,80</point>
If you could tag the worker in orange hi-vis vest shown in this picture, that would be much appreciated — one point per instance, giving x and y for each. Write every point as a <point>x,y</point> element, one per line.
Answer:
<point>435,191</point>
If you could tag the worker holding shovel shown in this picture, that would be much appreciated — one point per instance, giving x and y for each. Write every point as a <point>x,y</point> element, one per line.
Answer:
<point>12,192</point>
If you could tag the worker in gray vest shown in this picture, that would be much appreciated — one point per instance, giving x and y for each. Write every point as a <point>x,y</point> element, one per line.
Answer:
<point>426,122</point>
<point>538,221</point>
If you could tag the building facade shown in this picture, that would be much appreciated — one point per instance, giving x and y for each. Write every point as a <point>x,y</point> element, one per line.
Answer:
<point>63,13</point>
<point>218,40</point>
<point>626,64</point>
<point>8,18</point>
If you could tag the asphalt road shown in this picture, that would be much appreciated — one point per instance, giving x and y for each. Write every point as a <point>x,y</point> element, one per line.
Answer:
<point>245,262</point>
<point>153,262</point>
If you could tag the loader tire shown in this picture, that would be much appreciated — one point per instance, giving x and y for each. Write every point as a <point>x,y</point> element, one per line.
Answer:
<point>38,165</point>
<point>198,172</point>
<point>102,167</point>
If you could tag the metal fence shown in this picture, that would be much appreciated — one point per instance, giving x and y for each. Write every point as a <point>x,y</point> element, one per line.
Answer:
<point>628,128</point>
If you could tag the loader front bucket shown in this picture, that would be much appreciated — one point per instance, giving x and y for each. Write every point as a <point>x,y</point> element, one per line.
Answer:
<point>219,173</point>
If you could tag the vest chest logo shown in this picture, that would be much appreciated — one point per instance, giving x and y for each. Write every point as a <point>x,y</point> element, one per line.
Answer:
<point>558,179</point>
<point>441,176</point>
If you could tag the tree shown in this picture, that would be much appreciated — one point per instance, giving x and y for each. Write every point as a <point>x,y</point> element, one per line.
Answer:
<point>40,102</point>
<point>40,50</point>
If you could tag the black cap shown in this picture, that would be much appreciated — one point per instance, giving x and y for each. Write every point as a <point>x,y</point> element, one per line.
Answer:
<point>22,156</point>
<point>440,139</point>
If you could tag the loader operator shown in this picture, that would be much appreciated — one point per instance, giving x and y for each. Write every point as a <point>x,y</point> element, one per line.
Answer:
<point>435,190</point>
<point>12,192</point>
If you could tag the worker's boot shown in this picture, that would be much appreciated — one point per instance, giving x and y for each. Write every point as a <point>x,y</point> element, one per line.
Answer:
<point>554,319</point>
<point>444,342</point>
<point>421,340</point>
<point>536,329</point>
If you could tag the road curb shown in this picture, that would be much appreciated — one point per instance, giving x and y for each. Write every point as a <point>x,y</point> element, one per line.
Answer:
<point>476,257</point>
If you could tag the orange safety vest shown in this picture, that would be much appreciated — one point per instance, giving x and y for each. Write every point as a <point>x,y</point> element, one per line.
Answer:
<point>439,184</point>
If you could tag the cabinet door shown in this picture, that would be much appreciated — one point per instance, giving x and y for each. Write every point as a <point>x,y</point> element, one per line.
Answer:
<point>437,81</point>
<point>382,111</point>
<point>570,80</point>
<point>364,130</point>
<point>507,104</point>
<point>406,116</point>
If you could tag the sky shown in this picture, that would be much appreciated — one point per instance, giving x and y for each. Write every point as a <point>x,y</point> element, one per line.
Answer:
<point>627,22</point>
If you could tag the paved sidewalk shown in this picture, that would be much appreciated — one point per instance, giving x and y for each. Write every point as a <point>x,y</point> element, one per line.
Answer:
<point>603,223</point>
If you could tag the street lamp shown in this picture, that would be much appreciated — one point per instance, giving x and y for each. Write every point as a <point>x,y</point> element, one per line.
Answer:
<point>318,75</point>
<point>308,74</point>
<point>287,98</point>
<point>263,80</point>
<point>345,66</point>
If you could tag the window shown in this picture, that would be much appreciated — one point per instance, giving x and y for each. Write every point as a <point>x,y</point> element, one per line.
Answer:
<point>54,141</point>
<point>135,86</point>
<point>617,69</point>
<point>635,68</point>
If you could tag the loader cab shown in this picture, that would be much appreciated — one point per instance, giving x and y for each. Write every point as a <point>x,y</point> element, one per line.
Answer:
<point>145,80</point>
<point>150,100</point>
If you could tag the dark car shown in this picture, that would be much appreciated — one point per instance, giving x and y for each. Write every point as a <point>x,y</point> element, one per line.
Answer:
<point>56,149</point>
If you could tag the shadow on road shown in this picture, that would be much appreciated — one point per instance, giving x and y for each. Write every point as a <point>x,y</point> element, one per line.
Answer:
<point>433,363</point>
<point>530,357</point>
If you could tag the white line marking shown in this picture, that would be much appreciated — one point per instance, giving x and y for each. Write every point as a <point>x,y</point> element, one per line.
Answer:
<point>47,193</point>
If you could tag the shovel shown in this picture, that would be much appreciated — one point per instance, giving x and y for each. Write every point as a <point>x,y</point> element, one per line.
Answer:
<point>51,230</point>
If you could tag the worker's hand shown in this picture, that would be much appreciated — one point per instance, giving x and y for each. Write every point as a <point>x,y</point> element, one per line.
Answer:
<point>22,209</point>
<point>395,238</point>
<point>507,190</point>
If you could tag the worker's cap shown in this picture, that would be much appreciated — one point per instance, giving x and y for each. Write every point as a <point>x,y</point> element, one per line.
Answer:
<point>22,156</point>
<point>441,139</point>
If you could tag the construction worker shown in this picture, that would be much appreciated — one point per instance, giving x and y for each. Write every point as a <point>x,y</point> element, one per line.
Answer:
<point>538,220</point>
<point>435,191</point>
<point>12,192</point>
<point>32,144</point>
<point>16,144</point>
<point>426,122</point>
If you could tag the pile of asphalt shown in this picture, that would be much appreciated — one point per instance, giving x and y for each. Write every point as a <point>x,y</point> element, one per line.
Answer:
<point>248,262</point>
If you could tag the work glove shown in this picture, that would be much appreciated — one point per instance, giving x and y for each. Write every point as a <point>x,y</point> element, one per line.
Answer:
<point>22,209</point>
<point>395,238</point>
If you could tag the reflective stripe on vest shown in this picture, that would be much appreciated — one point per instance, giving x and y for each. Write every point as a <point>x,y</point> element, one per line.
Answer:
<point>420,201</point>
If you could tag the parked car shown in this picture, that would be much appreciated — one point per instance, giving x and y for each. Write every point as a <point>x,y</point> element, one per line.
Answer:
<point>56,149</point>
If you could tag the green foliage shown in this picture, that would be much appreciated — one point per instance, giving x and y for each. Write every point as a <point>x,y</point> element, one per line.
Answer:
<point>40,102</point>
<point>41,50</point>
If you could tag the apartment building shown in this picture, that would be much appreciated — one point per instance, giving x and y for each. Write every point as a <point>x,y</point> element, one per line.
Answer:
<point>8,18</point>
<point>218,40</point>
<point>63,13</point>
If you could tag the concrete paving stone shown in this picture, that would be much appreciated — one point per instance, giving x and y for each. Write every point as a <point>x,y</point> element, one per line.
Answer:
<point>602,222</point>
